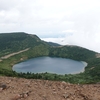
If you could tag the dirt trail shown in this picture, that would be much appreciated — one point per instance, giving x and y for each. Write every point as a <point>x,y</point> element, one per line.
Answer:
<point>12,54</point>
<point>32,89</point>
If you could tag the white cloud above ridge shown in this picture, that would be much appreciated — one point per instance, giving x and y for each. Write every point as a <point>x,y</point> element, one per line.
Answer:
<point>73,21</point>
<point>91,42</point>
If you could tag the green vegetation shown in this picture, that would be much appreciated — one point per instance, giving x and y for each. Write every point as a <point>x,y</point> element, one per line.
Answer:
<point>53,44</point>
<point>72,52</point>
<point>14,42</point>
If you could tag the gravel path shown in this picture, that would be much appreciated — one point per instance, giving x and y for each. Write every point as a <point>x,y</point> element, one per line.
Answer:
<point>12,54</point>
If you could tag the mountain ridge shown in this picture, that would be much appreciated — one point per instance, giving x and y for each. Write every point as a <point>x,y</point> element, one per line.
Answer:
<point>14,42</point>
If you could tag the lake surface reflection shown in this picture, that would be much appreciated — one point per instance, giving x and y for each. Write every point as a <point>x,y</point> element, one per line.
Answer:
<point>50,65</point>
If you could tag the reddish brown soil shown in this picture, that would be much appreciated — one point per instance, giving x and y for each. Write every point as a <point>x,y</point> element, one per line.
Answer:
<point>32,89</point>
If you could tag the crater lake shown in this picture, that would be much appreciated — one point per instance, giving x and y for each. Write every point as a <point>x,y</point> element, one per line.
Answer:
<point>50,65</point>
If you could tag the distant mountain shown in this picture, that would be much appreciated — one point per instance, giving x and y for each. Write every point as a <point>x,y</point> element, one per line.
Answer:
<point>20,46</point>
<point>53,44</point>
<point>13,42</point>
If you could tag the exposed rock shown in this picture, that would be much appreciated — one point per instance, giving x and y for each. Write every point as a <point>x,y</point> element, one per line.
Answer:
<point>66,95</point>
<point>3,87</point>
<point>32,89</point>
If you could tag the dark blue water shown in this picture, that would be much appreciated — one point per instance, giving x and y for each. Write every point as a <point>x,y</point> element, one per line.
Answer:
<point>51,65</point>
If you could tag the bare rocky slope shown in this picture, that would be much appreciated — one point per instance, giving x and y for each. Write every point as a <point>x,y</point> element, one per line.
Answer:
<point>12,88</point>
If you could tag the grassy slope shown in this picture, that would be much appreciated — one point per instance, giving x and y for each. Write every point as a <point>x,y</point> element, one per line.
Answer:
<point>15,42</point>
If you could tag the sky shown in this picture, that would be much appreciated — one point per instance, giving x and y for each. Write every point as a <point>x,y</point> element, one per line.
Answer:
<point>68,22</point>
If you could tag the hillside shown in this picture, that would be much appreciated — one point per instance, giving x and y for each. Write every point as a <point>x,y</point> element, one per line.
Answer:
<point>18,47</point>
<point>53,44</point>
<point>13,42</point>
<point>32,89</point>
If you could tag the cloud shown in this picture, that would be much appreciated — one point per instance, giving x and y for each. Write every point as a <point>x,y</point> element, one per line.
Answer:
<point>8,4</point>
<point>74,22</point>
<point>83,40</point>
<point>69,31</point>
